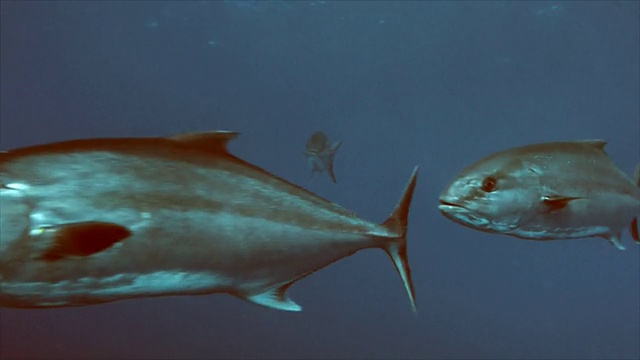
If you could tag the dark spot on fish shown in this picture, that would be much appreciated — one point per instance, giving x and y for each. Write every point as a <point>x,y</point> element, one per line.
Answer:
<point>489,184</point>
<point>83,239</point>
<point>557,202</point>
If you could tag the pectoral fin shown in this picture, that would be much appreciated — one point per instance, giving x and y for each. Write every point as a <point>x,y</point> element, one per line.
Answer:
<point>633,229</point>
<point>80,239</point>
<point>275,298</point>
<point>557,202</point>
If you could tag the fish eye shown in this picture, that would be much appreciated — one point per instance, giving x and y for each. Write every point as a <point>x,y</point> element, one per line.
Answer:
<point>489,184</point>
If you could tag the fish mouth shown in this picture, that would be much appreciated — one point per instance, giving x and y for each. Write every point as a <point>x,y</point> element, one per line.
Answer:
<point>447,206</point>
<point>462,215</point>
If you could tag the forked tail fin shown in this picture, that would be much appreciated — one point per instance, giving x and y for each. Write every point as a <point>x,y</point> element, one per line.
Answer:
<point>397,249</point>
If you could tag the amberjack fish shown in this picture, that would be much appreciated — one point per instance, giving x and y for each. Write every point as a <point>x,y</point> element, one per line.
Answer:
<point>549,191</point>
<point>99,220</point>
<point>320,154</point>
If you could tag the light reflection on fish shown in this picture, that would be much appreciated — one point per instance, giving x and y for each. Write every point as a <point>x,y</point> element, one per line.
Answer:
<point>99,220</point>
<point>560,190</point>
<point>320,154</point>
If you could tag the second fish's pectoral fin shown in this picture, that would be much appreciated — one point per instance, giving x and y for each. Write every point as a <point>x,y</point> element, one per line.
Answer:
<point>557,202</point>
<point>275,298</point>
<point>614,239</point>
<point>633,229</point>
<point>81,239</point>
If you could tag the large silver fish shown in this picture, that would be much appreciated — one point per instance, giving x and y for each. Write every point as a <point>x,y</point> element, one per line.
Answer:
<point>559,190</point>
<point>99,220</point>
<point>320,153</point>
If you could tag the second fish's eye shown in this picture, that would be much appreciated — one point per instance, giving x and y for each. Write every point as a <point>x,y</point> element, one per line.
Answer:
<point>489,184</point>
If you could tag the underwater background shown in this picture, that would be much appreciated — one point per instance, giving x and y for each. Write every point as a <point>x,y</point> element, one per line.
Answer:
<point>434,84</point>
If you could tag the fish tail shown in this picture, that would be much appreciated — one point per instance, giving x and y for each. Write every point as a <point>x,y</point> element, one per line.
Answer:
<point>397,249</point>
<point>633,227</point>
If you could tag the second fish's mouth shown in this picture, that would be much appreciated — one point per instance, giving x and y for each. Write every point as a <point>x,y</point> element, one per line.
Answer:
<point>447,204</point>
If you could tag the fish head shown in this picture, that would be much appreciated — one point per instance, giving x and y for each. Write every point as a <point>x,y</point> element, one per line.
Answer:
<point>493,195</point>
<point>320,153</point>
<point>317,143</point>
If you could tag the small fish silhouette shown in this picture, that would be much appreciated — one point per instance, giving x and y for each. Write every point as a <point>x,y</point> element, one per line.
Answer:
<point>320,154</point>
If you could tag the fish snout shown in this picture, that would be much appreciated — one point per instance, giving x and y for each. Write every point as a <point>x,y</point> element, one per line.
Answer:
<point>453,207</point>
<point>449,203</point>
<point>444,204</point>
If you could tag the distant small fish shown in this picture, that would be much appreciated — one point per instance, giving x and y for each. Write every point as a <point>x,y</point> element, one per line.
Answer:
<point>320,153</point>
<point>97,220</point>
<point>549,191</point>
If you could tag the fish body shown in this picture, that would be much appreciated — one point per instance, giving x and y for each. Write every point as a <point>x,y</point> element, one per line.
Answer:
<point>99,220</point>
<point>320,154</point>
<point>549,191</point>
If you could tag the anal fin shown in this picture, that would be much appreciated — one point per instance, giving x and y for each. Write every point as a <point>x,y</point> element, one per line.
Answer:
<point>614,239</point>
<point>275,298</point>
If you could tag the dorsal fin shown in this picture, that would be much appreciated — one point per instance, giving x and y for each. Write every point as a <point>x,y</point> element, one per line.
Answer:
<point>595,143</point>
<point>209,141</point>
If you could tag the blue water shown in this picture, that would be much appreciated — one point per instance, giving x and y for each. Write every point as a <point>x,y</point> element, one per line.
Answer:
<point>435,84</point>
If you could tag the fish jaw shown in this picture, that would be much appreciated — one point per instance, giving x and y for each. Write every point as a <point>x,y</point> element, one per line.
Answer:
<point>463,216</point>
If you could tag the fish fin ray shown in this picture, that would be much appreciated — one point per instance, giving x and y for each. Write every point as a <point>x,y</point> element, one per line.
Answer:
<point>397,249</point>
<point>275,298</point>
<point>209,141</point>
<point>81,239</point>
